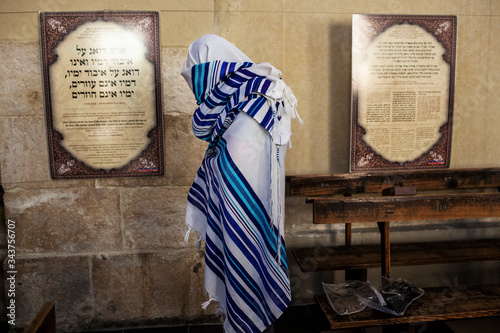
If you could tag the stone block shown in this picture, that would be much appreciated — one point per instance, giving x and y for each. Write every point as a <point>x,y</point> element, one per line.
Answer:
<point>160,5</point>
<point>183,151</point>
<point>22,92</point>
<point>235,27</point>
<point>177,96</point>
<point>23,147</point>
<point>154,217</point>
<point>25,157</point>
<point>141,288</point>
<point>321,144</point>
<point>181,28</point>
<point>177,283</point>
<point>65,220</point>
<point>248,6</point>
<point>62,279</point>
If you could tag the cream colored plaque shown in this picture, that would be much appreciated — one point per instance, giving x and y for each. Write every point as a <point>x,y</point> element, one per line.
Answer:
<point>100,93</point>
<point>402,91</point>
<point>103,95</point>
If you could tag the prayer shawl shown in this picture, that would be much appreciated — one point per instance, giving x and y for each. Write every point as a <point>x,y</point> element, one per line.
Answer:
<point>236,202</point>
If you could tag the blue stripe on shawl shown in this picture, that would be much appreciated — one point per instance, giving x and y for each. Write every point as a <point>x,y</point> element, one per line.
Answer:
<point>256,106</point>
<point>211,261</point>
<point>241,82</point>
<point>238,318</point>
<point>269,284</point>
<point>213,219</point>
<point>200,74</point>
<point>265,86</point>
<point>196,198</point>
<point>244,197</point>
<point>247,247</point>
<point>243,291</point>
<point>241,193</point>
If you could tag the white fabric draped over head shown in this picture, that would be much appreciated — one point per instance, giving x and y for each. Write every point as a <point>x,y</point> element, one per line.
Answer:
<point>210,48</point>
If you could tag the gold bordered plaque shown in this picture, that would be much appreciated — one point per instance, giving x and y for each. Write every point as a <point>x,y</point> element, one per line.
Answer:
<point>403,70</point>
<point>102,93</point>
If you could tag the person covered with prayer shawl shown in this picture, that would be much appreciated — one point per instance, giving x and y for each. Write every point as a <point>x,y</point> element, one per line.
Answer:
<point>236,202</point>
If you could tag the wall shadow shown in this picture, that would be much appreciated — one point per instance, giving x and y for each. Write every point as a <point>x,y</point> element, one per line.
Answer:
<point>340,89</point>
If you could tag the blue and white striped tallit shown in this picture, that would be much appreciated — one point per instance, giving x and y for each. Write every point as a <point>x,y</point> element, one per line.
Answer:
<point>237,199</point>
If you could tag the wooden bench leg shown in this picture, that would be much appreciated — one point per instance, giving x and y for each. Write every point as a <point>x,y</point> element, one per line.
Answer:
<point>385,248</point>
<point>353,274</point>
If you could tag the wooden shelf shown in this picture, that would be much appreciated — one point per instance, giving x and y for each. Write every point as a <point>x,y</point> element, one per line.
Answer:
<point>440,303</point>
<point>408,254</point>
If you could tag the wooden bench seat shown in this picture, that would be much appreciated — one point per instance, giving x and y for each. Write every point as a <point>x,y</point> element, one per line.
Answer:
<point>402,254</point>
<point>441,303</point>
<point>406,208</point>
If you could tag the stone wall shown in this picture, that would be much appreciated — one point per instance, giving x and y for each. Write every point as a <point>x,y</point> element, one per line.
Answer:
<point>110,252</point>
<point>3,254</point>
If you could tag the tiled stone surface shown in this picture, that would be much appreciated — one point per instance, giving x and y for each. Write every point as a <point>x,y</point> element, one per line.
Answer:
<point>61,5</point>
<point>452,7</point>
<point>19,26</point>
<point>154,217</point>
<point>64,280</point>
<point>126,289</point>
<point>23,147</point>
<point>248,6</point>
<point>183,151</point>
<point>258,34</point>
<point>176,93</point>
<point>491,153</point>
<point>471,95</point>
<point>321,83</point>
<point>21,93</point>
<point>145,286</point>
<point>179,29</point>
<point>65,220</point>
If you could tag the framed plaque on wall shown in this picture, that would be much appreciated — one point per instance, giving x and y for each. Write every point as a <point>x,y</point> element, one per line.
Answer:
<point>102,92</point>
<point>403,70</point>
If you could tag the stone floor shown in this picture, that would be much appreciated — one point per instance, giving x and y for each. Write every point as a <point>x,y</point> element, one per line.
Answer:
<point>309,319</point>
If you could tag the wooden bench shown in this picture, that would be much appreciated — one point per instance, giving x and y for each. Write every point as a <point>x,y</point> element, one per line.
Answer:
<point>44,321</point>
<point>436,304</point>
<point>357,197</point>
